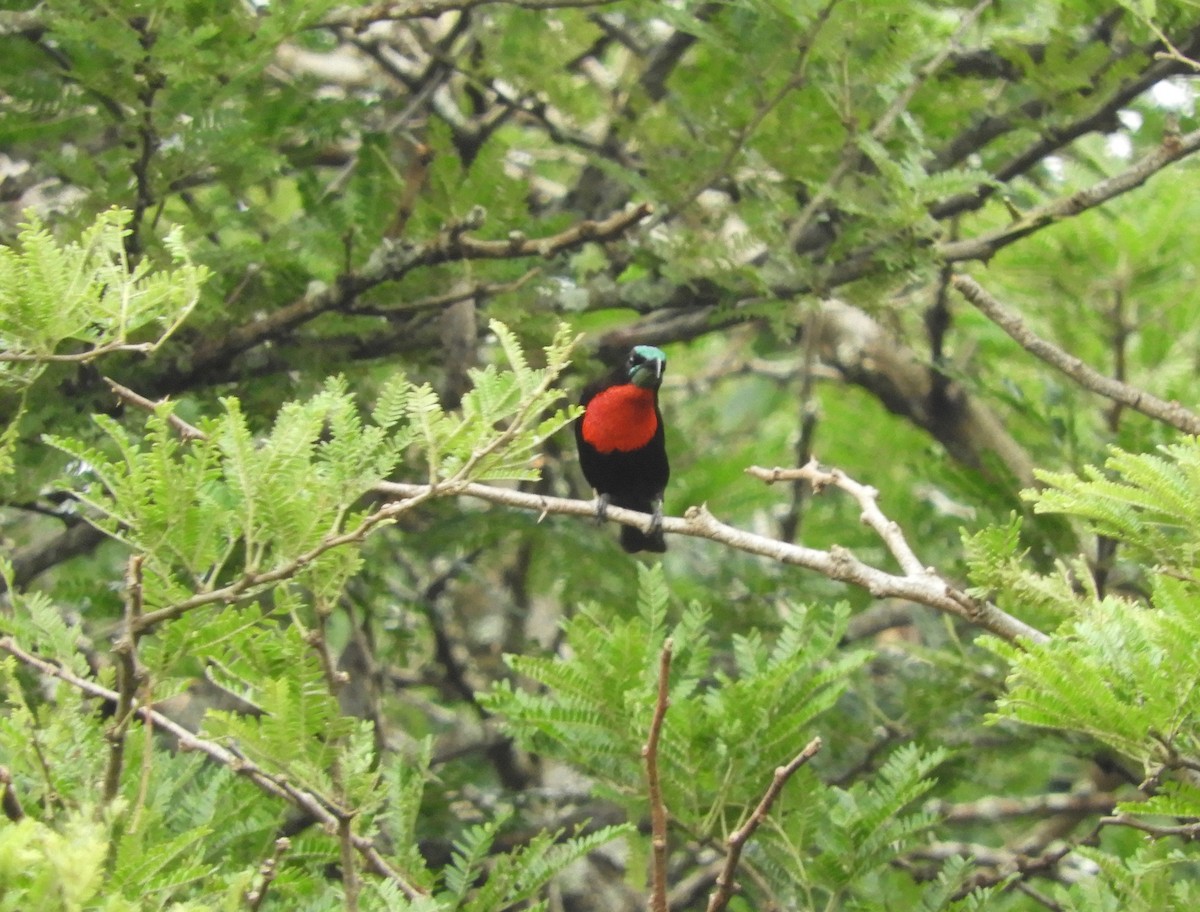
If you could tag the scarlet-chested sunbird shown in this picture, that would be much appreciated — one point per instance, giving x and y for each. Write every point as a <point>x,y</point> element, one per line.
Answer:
<point>622,448</point>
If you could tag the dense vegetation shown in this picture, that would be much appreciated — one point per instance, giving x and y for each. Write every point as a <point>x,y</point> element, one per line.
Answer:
<point>303,606</point>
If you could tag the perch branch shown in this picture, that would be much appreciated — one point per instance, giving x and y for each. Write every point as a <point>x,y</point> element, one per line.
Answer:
<point>925,588</point>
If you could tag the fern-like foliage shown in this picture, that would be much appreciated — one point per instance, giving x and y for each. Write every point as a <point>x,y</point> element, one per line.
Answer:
<point>869,819</point>
<point>1122,673</point>
<point>234,505</point>
<point>999,572</point>
<point>244,536</point>
<point>726,729</point>
<point>81,299</point>
<point>1152,879</point>
<point>1146,500</point>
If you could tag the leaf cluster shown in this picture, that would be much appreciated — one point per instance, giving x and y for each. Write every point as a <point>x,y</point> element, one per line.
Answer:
<point>725,725</point>
<point>78,300</point>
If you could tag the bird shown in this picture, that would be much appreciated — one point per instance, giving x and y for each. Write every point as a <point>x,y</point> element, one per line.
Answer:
<point>622,444</point>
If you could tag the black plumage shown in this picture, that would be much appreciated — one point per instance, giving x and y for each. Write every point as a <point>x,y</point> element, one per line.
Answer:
<point>622,443</point>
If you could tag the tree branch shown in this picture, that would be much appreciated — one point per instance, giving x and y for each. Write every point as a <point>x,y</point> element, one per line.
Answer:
<point>658,810</point>
<point>868,500</point>
<point>738,839</point>
<point>1171,413</point>
<point>359,19</point>
<point>186,431</point>
<point>985,246</point>
<point>389,262</point>
<point>992,809</point>
<point>925,587</point>
<point>1186,831</point>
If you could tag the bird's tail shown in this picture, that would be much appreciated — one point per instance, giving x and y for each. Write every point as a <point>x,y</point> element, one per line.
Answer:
<point>636,540</point>
<point>633,539</point>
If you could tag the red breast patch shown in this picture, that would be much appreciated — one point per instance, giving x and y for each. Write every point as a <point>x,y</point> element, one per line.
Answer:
<point>620,418</point>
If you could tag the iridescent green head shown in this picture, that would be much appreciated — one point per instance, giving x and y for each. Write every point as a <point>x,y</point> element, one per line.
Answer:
<point>645,366</point>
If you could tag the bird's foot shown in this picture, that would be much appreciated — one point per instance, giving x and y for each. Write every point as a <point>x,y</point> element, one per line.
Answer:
<point>601,508</point>
<point>656,519</point>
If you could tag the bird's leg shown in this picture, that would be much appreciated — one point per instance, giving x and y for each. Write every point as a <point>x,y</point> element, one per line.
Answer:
<point>656,517</point>
<point>601,507</point>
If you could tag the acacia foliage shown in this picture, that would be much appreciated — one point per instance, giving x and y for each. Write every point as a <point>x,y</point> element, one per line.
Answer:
<point>423,703</point>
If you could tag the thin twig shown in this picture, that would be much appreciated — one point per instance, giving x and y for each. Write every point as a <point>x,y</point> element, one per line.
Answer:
<point>992,809</point>
<point>658,810</point>
<point>350,880</point>
<point>266,874</point>
<point>867,497</point>
<point>186,431</point>
<point>738,838</point>
<point>1186,831</point>
<point>251,582</point>
<point>476,292</point>
<point>129,679</point>
<point>1171,413</point>
<point>318,806</point>
<point>359,19</point>
<point>77,357</point>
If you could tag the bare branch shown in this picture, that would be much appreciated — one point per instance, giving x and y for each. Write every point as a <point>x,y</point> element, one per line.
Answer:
<point>738,839</point>
<point>992,809</point>
<point>658,810</point>
<point>1171,413</point>
<point>317,806</point>
<point>1186,831</point>
<point>391,261</point>
<point>359,19</point>
<point>266,874</point>
<point>867,498</point>
<point>130,676</point>
<point>186,431</point>
<point>983,247</point>
<point>926,588</point>
<point>77,357</point>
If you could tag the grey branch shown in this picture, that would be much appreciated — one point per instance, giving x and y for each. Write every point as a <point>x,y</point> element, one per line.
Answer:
<point>1172,148</point>
<point>1171,413</point>
<point>925,587</point>
<point>359,19</point>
